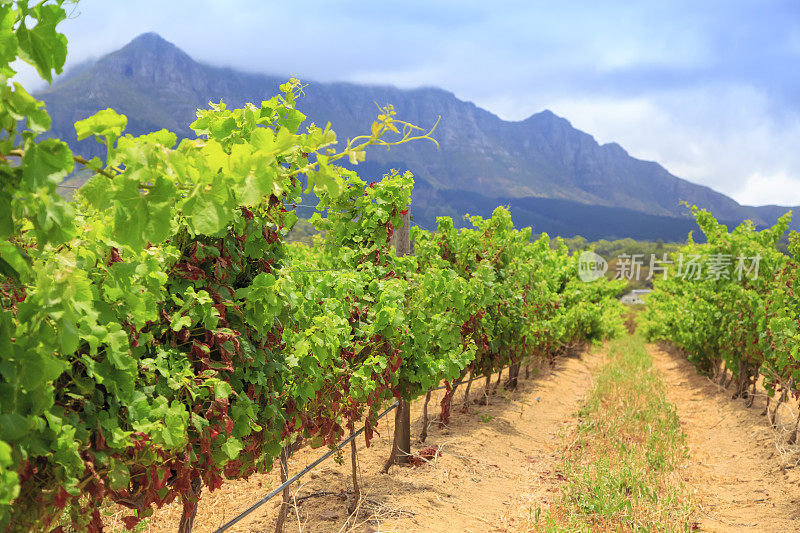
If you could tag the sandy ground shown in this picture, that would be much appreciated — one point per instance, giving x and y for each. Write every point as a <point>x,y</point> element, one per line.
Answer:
<point>496,465</point>
<point>743,474</point>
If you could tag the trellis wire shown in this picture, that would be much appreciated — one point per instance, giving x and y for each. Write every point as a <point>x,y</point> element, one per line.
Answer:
<point>297,476</point>
<point>306,470</point>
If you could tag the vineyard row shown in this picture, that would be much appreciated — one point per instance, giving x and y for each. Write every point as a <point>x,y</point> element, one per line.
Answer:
<point>159,334</point>
<point>737,329</point>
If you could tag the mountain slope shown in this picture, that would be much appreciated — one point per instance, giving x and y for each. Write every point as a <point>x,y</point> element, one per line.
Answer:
<point>159,86</point>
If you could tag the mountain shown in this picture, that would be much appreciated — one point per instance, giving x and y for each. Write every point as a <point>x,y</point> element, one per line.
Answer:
<point>541,158</point>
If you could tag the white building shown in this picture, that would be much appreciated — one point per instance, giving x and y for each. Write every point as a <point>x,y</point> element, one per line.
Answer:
<point>634,297</point>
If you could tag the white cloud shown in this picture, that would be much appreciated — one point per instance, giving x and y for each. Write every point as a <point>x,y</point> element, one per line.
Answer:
<point>724,137</point>
<point>776,189</point>
<point>697,87</point>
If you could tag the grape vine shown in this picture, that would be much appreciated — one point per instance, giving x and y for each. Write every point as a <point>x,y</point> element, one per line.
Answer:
<point>743,320</point>
<point>159,334</point>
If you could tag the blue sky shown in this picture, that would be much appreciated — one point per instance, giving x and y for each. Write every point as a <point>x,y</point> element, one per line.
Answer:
<point>709,89</point>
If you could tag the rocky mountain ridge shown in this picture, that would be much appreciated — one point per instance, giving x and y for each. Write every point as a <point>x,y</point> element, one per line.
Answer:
<point>157,85</point>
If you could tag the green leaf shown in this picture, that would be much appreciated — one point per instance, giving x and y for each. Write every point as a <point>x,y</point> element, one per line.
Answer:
<point>272,447</point>
<point>180,322</point>
<point>6,222</point>
<point>8,40</point>
<point>23,106</point>
<point>143,216</point>
<point>38,370</point>
<point>222,389</point>
<point>263,139</point>
<point>106,124</point>
<point>175,426</point>
<point>119,383</point>
<point>46,163</point>
<point>292,120</point>
<point>209,211</point>
<point>232,446</point>
<point>162,136</point>
<point>118,351</point>
<point>256,186</point>
<point>222,128</point>
<point>12,261</point>
<point>99,191</point>
<point>42,46</point>
<point>14,426</point>
<point>118,474</point>
<point>5,454</point>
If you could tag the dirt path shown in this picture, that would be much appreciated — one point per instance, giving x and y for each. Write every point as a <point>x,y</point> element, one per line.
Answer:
<point>496,463</point>
<point>741,471</point>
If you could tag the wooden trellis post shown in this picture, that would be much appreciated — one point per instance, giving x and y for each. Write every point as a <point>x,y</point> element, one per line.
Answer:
<point>401,448</point>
